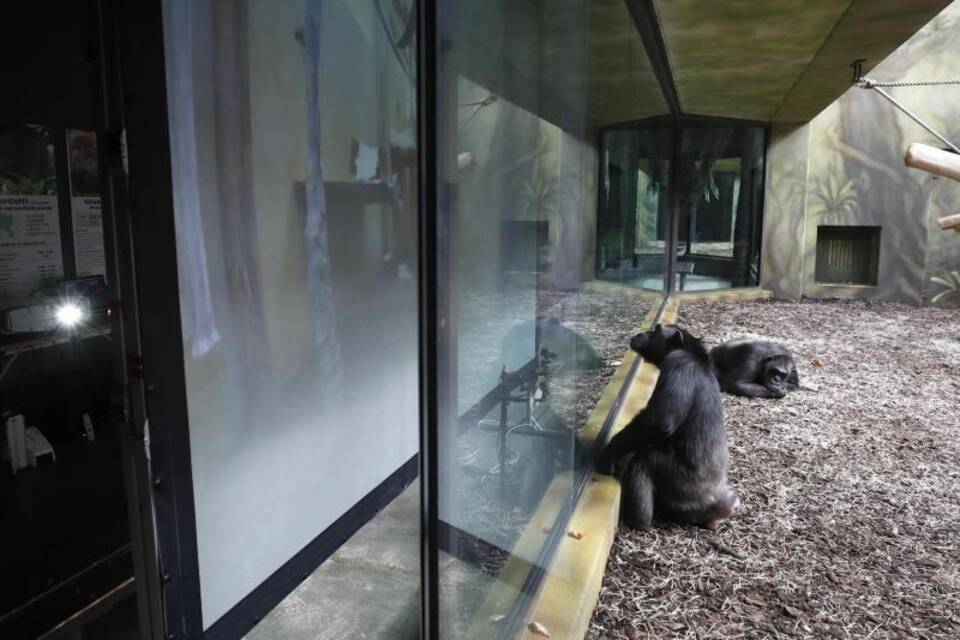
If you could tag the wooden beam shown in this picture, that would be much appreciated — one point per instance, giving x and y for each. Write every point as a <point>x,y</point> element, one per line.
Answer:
<point>950,222</point>
<point>934,160</point>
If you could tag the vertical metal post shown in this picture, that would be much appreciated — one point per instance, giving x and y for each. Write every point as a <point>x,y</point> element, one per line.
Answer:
<point>429,181</point>
<point>156,380</point>
<point>673,222</point>
<point>118,255</point>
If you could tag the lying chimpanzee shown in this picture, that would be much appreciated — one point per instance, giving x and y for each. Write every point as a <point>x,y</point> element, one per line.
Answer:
<point>672,457</point>
<point>755,368</point>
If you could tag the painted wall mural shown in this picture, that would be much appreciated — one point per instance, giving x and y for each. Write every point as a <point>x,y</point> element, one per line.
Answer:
<point>845,168</point>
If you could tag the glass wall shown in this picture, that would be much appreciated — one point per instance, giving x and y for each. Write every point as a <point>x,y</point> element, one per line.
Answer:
<point>635,203</point>
<point>294,178</point>
<point>718,172</point>
<point>529,337</point>
<point>720,204</point>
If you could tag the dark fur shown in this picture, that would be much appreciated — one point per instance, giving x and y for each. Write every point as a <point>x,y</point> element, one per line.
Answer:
<point>672,457</point>
<point>755,369</point>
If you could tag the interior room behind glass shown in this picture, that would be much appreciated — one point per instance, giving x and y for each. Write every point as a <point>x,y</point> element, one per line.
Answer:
<point>65,544</point>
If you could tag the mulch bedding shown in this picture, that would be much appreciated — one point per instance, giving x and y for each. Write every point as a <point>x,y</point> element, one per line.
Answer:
<point>850,522</point>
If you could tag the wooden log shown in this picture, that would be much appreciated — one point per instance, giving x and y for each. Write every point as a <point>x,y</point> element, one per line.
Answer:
<point>950,222</point>
<point>936,161</point>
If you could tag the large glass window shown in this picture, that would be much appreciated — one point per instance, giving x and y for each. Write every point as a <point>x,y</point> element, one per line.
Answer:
<point>529,337</point>
<point>292,129</point>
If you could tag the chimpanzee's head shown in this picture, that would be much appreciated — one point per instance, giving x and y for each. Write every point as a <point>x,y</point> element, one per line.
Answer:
<point>654,345</point>
<point>780,374</point>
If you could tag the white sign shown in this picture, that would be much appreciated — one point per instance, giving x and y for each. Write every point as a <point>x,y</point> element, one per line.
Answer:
<point>30,251</point>
<point>88,236</point>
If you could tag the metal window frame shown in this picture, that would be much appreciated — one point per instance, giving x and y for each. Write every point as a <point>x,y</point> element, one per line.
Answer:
<point>428,47</point>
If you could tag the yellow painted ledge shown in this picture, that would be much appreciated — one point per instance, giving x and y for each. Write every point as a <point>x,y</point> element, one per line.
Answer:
<point>725,295</point>
<point>569,592</point>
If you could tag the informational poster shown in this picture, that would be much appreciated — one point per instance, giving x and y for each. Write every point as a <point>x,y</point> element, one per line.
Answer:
<point>85,204</point>
<point>88,236</point>
<point>30,249</point>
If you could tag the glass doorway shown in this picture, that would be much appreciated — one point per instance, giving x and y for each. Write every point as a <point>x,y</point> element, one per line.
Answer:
<point>701,176</point>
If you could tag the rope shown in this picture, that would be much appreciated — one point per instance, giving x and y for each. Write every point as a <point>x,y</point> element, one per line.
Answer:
<point>868,83</point>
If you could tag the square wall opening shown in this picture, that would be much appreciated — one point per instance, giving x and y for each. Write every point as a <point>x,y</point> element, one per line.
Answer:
<point>847,255</point>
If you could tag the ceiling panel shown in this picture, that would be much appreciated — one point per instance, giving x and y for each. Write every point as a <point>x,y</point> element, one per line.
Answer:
<point>779,59</point>
<point>621,84</point>
<point>739,58</point>
<point>870,29</point>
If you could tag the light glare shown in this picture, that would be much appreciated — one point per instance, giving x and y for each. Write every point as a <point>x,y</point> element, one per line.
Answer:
<point>69,314</point>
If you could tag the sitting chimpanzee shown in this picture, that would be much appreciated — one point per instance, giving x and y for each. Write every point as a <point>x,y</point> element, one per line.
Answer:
<point>755,368</point>
<point>672,457</point>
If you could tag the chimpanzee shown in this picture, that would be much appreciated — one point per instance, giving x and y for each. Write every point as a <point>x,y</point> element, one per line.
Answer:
<point>755,368</point>
<point>672,457</point>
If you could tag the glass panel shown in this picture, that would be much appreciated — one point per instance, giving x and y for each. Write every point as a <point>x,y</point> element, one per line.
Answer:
<point>529,337</point>
<point>292,129</point>
<point>720,182</point>
<point>719,178</point>
<point>716,211</point>
<point>634,207</point>
<point>65,535</point>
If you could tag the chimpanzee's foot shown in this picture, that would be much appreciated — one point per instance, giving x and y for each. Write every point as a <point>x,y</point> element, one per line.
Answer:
<point>721,511</point>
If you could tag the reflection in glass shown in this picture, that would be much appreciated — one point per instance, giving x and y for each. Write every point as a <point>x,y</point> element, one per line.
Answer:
<point>717,203</point>
<point>292,128</point>
<point>632,227</point>
<point>529,338</point>
<point>720,199</point>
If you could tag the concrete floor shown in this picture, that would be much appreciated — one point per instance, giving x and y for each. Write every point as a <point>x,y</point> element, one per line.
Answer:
<point>369,588</point>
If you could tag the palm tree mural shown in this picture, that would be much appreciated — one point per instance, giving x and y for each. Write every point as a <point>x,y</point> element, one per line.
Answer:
<point>538,195</point>
<point>950,280</point>
<point>537,188</point>
<point>834,197</point>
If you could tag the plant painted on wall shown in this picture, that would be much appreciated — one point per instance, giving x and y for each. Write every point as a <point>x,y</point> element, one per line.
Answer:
<point>950,280</point>
<point>833,197</point>
<point>537,188</point>
<point>538,195</point>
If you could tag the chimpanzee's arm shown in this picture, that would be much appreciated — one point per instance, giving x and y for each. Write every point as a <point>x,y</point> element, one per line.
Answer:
<point>666,410</point>
<point>794,379</point>
<point>752,390</point>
